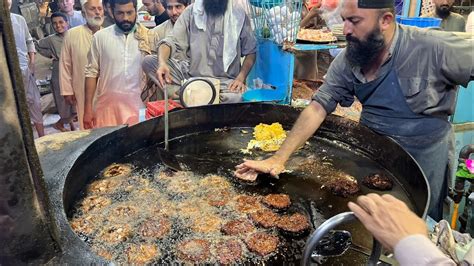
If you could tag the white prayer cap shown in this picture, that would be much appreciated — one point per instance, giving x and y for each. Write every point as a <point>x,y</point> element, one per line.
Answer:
<point>83,2</point>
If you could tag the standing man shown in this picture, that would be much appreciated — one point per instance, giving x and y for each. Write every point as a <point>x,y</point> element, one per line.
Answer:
<point>209,39</point>
<point>25,49</point>
<point>155,8</point>
<point>50,47</point>
<point>114,78</point>
<point>450,20</point>
<point>74,17</point>
<point>108,18</point>
<point>73,61</point>
<point>174,8</point>
<point>405,78</point>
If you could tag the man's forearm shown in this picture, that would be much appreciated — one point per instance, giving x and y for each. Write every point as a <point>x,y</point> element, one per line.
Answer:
<point>308,122</point>
<point>90,87</point>
<point>246,67</point>
<point>164,53</point>
<point>31,57</point>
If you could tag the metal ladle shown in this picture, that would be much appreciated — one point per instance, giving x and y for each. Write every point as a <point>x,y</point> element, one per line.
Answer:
<point>168,159</point>
<point>314,250</point>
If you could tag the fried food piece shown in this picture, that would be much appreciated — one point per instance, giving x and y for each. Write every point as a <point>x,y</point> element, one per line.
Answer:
<point>141,254</point>
<point>379,181</point>
<point>125,211</point>
<point>155,228</point>
<point>115,233</point>
<point>262,243</point>
<point>93,203</point>
<point>277,201</point>
<point>247,204</point>
<point>214,182</point>
<point>103,253</point>
<point>116,169</point>
<point>264,218</point>
<point>218,198</point>
<point>343,186</point>
<point>182,185</point>
<point>238,227</point>
<point>229,251</point>
<point>103,186</point>
<point>194,250</point>
<point>85,225</point>
<point>207,224</point>
<point>295,223</point>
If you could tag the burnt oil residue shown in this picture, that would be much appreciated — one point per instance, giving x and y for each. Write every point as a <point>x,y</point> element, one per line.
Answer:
<point>150,215</point>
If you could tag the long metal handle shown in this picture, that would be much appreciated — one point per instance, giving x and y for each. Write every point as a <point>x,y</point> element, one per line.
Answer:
<point>165,93</point>
<point>325,228</point>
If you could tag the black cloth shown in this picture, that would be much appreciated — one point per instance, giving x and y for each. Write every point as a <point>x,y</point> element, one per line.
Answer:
<point>161,18</point>
<point>375,4</point>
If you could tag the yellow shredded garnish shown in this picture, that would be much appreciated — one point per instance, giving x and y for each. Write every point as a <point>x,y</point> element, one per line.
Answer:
<point>267,137</point>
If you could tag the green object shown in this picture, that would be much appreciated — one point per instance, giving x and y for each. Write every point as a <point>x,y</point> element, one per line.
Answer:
<point>463,172</point>
<point>266,33</point>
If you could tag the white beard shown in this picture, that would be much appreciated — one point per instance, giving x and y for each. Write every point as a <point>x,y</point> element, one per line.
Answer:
<point>94,21</point>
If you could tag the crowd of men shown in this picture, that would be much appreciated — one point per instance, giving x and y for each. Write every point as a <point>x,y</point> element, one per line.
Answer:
<point>98,54</point>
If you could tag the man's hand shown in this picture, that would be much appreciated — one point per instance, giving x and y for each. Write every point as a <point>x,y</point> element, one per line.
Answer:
<point>387,218</point>
<point>163,74</point>
<point>70,99</point>
<point>237,86</point>
<point>88,119</point>
<point>249,169</point>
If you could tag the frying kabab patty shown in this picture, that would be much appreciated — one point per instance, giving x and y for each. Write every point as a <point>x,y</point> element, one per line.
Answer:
<point>344,186</point>
<point>229,251</point>
<point>262,243</point>
<point>264,218</point>
<point>379,181</point>
<point>295,223</point>
<point>277,201</point>
<point>194,250</point>
<point>238,227</point>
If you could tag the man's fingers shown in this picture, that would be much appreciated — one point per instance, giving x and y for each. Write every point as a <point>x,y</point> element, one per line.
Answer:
<point>359,212</point>
<point>367,204</point>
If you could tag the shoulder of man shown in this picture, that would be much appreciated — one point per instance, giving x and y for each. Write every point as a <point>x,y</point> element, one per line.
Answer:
<point>457,16</point>
<point>427,37</point>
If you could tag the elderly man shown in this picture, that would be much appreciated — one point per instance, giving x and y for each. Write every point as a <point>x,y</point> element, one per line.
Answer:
<point>209,39</point>
<point>450,20</point>
<point>114,78</point>
<point>405,78</point>
<point>157,9</point>
<point>76,46</point>
<point>50,47</point>
<point>74,17</point>
<point>25,49</point>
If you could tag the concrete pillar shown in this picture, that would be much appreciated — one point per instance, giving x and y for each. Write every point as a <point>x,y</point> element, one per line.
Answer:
<point>26,235</point>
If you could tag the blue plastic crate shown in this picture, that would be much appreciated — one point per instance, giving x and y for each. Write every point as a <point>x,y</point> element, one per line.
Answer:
<point>264,95</point>
<point>421,22</point>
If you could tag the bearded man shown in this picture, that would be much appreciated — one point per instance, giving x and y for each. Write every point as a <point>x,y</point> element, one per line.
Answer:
<point>405,78</point>
<point>76,45</point>
<point>208,40</point>
<point>450,20</point>
<point>114,78</point>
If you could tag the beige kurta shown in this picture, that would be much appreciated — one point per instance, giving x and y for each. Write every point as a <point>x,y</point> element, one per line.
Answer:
<point>73,61</point>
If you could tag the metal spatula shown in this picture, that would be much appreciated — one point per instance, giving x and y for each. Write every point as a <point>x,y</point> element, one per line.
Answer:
<point>168,159</point>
